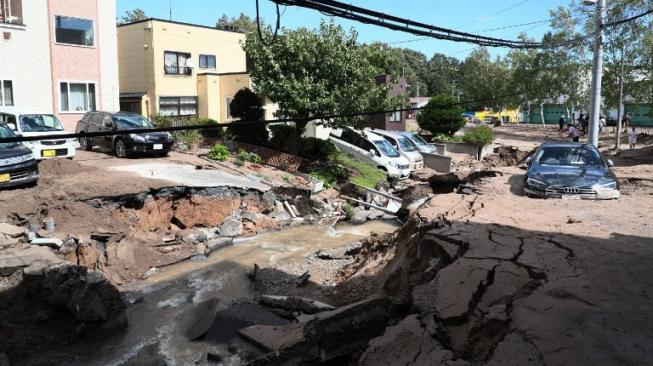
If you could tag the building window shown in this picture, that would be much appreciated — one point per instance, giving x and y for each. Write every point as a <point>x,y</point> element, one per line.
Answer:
<point>177,63</point>
<point>74,31</point>
<point>11,11</point>
<point>178,106</point>
<point>395,116</point>
<point>77,97</point>
<point>207,62</point>
<point>227,108</point>
<point>6,93</point>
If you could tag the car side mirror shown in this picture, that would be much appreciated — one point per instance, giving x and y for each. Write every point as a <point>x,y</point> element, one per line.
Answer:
<point>528,160</point>
<point>107,124</point>
<point>12,126</point>
<point>610,163</point>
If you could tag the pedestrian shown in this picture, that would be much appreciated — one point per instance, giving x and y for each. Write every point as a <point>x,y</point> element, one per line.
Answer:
<point>632,137</point>
<point>626,120</point>
<point>561,123</point>
<point>601,123</point>
<point>573,133</point>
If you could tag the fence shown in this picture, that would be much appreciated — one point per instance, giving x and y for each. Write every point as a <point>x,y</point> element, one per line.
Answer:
<point>277,159</point>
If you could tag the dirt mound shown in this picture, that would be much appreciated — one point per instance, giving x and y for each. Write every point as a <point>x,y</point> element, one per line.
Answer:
<point>60,167</point>
<point>506,156</point>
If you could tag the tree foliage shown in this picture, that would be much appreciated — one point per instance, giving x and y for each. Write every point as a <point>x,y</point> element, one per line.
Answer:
<point>247,107</point>
<point>243,23</point>
<point>441,116</point>
<point>132,16</point>
<point>318,72</point>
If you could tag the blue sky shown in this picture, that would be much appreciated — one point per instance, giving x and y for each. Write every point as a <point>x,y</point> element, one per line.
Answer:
<point>475,16</point>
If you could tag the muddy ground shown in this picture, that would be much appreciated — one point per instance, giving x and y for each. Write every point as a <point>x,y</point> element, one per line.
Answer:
<point>479,275</point>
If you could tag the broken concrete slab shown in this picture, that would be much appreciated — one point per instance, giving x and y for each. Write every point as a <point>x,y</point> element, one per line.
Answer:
<point>231,227</point>
<point>11,231</point>
<point>14,259</point>
<point>360,216</point>
<point>407,343</point>
<point>295,304</point>
<point>274,338</point>
<point>47,242</point>
<point>514,350</point>
<point>229,321</point>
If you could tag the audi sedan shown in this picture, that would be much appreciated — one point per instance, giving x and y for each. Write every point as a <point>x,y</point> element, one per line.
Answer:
<point>570,171</point>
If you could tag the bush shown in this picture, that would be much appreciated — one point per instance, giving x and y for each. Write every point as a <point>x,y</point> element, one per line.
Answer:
<point>241,157</point>
<point>283,138</point>
<point>316,149</point>
<point>446,138</point>
<point>441,116</point>
<point>212,133</point>
<point>246,106</point>
<point>330,175</point>
<point>188,138</point>
<point>160,121</point>
<point>255,158</point>
<point>479,136</point>
<point>349,210</point>
<point>219,152</point>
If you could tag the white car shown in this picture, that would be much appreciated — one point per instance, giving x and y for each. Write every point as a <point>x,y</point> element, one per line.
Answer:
<point>40,124</point>
<point>422,145</point>
<point>371,148</point>
<point>405,146</point>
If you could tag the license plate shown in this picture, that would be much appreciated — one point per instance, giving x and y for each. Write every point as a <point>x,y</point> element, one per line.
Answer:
<point>48,153</point>
<point>158,147</point>
<point>570,197</point>
<point>5,178</point>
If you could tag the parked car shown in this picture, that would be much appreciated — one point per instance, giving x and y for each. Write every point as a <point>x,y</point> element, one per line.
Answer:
<point>420,143</point>
<point>373,149</point>
<point>405,146</point>
<point>39,124</point>
<point>570,171</point>
<point>123,145</point>
<point>17,163</point>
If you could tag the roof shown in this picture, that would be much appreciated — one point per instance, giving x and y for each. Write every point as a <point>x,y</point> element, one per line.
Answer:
<point>178,23</point>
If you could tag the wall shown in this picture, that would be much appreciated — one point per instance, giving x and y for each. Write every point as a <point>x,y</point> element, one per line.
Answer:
<point>108,39</point>
<point>25,59</point>
<point>641,114</point>
<point>229,85</point>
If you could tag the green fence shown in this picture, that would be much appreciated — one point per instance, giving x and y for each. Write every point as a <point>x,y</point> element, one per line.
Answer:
<point>552,113</point>
<point>641,114</point>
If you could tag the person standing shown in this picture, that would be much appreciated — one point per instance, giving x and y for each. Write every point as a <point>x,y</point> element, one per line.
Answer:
<point>561,123</point>
<point>632,137</point>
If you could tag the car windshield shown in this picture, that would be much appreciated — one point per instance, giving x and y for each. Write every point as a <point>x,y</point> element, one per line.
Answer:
<point>39,123</point>
<point>405,144</point>
<point>386,148</point>
<point>568,156</point>
<point>131,121</point>
<point>6,132</point>
<point>418,140</point>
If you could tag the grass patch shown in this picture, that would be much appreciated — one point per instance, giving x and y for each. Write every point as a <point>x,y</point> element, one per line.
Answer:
<point>363,174</point>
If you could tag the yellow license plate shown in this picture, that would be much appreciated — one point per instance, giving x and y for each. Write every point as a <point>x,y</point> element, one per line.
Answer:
<point>49,153</point>
<point>5,178</point>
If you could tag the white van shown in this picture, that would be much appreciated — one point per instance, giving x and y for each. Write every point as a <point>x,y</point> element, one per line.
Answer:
<point>405,146</point>
<point>39,124</point>
<point>422,145</point>
<point>371,148</point>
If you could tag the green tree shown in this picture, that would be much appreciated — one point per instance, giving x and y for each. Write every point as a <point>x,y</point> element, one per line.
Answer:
<point>243,23</point>
<point>485,82</point>
<point>247,107</point>
<point>441,116</point>
<point>321,72</point>
<point>132,16</point>
<point>443,75</point>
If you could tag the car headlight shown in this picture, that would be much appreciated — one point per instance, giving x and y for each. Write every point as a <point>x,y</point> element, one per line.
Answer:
<point>30,144</point>
<point>612,185</point>
<point>71,141</point>
<point>535,183</point>
<point>137,138</point>
<point>16,160</point>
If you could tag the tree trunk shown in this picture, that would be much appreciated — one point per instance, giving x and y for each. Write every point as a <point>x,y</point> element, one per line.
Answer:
<point>529,113</point>
<point>542,115</point>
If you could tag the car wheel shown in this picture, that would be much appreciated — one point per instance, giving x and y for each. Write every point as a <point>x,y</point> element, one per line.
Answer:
<point>120,149</point>
<point>85,144</point>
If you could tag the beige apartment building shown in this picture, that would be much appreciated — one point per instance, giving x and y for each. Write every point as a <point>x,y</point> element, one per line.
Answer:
<point>180,70</point>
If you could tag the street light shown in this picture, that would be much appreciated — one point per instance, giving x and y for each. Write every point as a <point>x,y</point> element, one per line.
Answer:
<point>597,72</point>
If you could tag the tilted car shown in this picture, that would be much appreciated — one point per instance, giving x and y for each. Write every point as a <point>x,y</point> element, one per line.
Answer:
<point>570,171</point>
<point>405,146</point>
<point>124,145</point>
<point>422,145</point>
<point>17,164</point>
<point>30,124</point>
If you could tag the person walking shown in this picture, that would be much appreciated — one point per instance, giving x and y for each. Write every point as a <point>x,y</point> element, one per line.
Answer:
<point>632,137</point>
<point>602,123</point>
<point>573,133</point>
<point>561,123</point>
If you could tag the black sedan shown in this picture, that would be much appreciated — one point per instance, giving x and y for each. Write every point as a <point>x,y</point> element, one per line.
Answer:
<point>17,164</point>
<point>123,145</point>
<point>570,171</point>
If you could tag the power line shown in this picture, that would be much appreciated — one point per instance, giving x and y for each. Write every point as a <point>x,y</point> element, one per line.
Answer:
<point>402,24</point>
<point>627,20</point>
<point>496,13</point>
<point>258,25</point>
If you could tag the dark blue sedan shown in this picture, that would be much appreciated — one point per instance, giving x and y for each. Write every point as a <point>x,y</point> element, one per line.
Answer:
<point>570,171</point>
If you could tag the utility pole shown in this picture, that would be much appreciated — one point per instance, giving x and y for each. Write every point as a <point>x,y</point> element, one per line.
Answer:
<point>597,73</point>
<point>171,10</point>
<point>620,115</point>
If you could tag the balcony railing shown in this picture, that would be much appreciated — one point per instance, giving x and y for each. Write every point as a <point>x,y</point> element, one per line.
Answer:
<point>176,70</point>
<point>11,12</point>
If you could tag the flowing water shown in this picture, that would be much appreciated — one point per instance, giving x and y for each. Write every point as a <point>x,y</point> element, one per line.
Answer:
<point>165,307</point>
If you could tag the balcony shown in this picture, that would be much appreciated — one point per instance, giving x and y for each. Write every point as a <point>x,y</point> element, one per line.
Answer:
<point>176,70</point>
<point>11,12</point>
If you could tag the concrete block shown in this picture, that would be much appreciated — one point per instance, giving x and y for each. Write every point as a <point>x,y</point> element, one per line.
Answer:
<point>439,163</point>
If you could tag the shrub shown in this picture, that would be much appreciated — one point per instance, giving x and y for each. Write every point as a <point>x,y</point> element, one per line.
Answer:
<point>246,106</point>
<point>219,152</point>
<point>160,121</point>
<point>241,157</point>
<point>480,136</point>
<point>283,138</point>
<point>446,138</point>
<point>348,209</point>
<point>212,133</point>
<point>330,175</point>
<point>441,116</point>
<point>255,158</point>
<point>316,149</point>
<point>287,178</point>
<point>187,138</point>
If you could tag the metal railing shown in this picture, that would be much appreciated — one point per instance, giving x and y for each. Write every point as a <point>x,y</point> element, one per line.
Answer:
<point>176,70</point>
